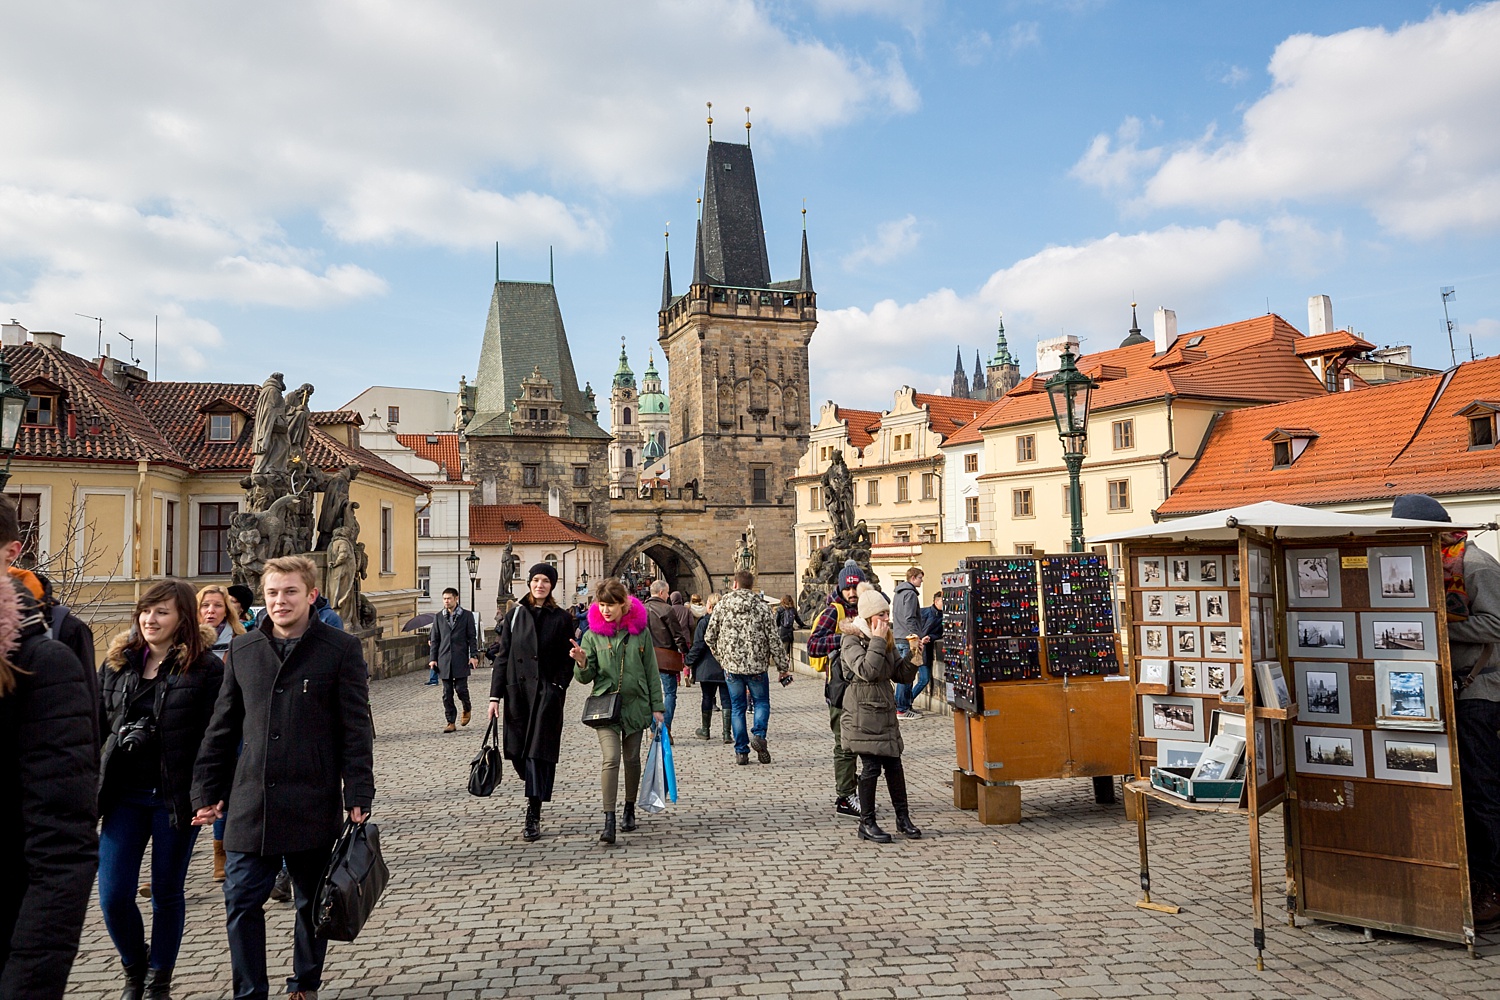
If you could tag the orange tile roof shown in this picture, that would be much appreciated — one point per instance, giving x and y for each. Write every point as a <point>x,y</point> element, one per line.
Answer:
<point>862,425</point>
<point>1374,443</point>
<point>523,523</point>
<point>949,413</point>
<point>442,452</point>
<point>1332,343</point>
<point>970,432</point>
<point>325,418</point>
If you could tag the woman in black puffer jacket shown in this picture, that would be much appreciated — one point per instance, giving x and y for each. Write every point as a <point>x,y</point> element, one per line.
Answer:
<point>157,692</point>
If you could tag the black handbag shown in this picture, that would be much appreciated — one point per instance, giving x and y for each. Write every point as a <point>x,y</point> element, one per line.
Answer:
<point>485,768</point>
<point>601,711</point>
<point>351,887</point>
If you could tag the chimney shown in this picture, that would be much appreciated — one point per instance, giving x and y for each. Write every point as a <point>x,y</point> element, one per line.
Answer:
<point>1049,352</point>
<point>12,334</point>
<point>1166,329</point>
<point>47,339</point>
<point>1319,315</point>
<point>554,502</point>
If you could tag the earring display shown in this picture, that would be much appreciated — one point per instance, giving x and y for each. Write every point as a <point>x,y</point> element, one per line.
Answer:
<point>1077,591</point>
<point>1082,655</point>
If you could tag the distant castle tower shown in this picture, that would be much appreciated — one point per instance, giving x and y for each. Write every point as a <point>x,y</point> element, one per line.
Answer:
<point>1004,372</point>
<point>977,390</point>
<point>624,411</point>
<point>960,378</point>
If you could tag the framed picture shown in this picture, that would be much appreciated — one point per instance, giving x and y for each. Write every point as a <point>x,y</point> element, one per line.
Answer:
<point>1398,576</point>
<point>1278,748</point>
<point>1321,635</point>
<point>1397,635</point>
<point>1222,722</point>
<point>1322,691</point>
<point>1182,570</point>
<point>1151,571</point>
<point>1256,639</point>
<point>1219,641</point>
<point>1216,677</point>
<point>1186,640</point>
<point>1312,578</point>
<point>1222,760</point>
<point>1171,718</point>
<point>1268,625</point>
<point>1154,605</point>
<point>1270,684</point>
<point>1407,695</point>
<point>1262,759</point>
<point>1339,752</point>
<point>1187,677</point>
<point>1153,640</point>
<point>1178,753</point>
<point>1213,606</point>
<point>1182,605</point>
<point>1234,571</point>
<point>1260,562</point>
<point>1421,757</point>
<point>1208,570</point>
<point>1155,672</point>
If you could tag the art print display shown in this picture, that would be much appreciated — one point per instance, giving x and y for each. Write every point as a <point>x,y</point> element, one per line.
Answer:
<point>1278,749</point>
<point>1155,672</point>
<point>1262,763</point>
<point>1185,640</point>
<point>1260,580</point>
<point>1173,718</point>
<point>1398,576</point>
<point>1213,606</point>
<point>1154,605</point>
<point>1223,642</point>
<point>1182,570</point>
<point>1234,571</point>
<point>1270,684</point>
<point>1337,752</point>
<point>1182,605</point>
<point>1221,722</point>
<point>1208,570</point>
<point>1415,756</point>
<point>1187,677</point>
<point>1150,571</point>
<point>1394,635</point>
<point>1179,753</point>
<point>1256,643</point>
<point>1222,760</point>
<point>1322,691</point>
<point>1327,635</point>
<point>1216,677</point>
<point>1154,640</point>
<point>1312,578</point>
<point>1407,695</point>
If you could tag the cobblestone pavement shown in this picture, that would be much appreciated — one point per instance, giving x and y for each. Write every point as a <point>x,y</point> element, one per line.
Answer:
<point>751,886</point>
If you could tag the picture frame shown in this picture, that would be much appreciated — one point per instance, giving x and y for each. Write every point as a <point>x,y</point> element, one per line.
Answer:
<point>1313,578</point>
<point>1217,677</point>
<point>1208,571</point>
<point>1222,642</point>
<point>1323,692</point>
<point>1399,635</point>
<point>1187,640</point>
<point>1262,759</point>
<point>1263,570</point>
<point>1398,576</point>
<point>1270,684</point>
<point>1337,752</point>
<point>1278,748</point>
<point>1154,605</point>
<point>1420,757</point>
<point>1172,718</point>
<point>1187,677</point>
<point>1150,572</point>
<point>1222,760</point>
<point>1155,674</point>
<point>1257,644</point>
<point>1179,753</point>
<point>1221,722</point>
<point>1319,635</point>
<point>1232,571</point>
<point>1407,695</point>
<point>1213,605</point>
<point>1182,605</point>
<point>1268,626</point>
<point>1181,569</point>
<point>1154,640</point>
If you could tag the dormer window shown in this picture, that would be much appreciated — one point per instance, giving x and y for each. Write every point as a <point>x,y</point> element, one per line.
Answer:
<point>220,427</point>
<point>1288,444</point>
<point>1481,417</point>
<point>41,411</point>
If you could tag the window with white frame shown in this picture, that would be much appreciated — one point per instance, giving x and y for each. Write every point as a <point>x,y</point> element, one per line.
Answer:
<point>387,538</point>
<point>221,427</point>
<point>971,510</point>
<point>424,581</point>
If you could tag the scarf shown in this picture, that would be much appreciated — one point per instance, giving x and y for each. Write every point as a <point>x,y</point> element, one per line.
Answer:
<point>1454,592</point>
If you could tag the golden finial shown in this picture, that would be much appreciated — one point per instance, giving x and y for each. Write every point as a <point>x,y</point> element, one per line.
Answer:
<point>710,121</point>
<point>804,215</point>
<point>747,124</point>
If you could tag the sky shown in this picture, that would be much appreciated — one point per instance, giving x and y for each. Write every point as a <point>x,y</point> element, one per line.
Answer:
<point>318,188</point>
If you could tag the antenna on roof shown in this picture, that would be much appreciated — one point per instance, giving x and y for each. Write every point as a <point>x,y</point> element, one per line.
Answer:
<point>99,345</point>
<point>156,347</point>
<point>551,268</point>
<point>710,121</point>
<point>1449,294</point>
<point>747,124</point>
<point>131,342</point>
<point>497,262</point>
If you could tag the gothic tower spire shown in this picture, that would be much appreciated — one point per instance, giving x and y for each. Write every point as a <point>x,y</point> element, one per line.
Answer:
<point>1135,336</point>
<point>666,274</point>
<point>960,377</point>
<point>976,388</point>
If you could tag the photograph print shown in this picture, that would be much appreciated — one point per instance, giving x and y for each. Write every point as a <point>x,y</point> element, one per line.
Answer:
<point>1391,635</point>
<point>1418,757</point>
<point>1183,605</point>
<point>1398,635</point>
<point>1154,605</point>
<point>1154,640</point>
<point>1318,634</point>
<point>1182,571</point>
<point>1312,577</point>
<point>1173,718</point>
<point>1156,672</point>
<point>1398,581</point>
<point>1208,570</point>
<point>1338,752</point>
<point>1234,571</point>
<point>1217,642</point>
<point>1188,677</point>
<point>1151,572</point>
<point>1179,753</point>
<point>1323,691</point>
<point>1397,576</point>
<point>1216,678</point>
<point>1407,695</point>
<point>1185,641</point>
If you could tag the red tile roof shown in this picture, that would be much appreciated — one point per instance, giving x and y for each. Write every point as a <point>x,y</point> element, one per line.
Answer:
<point>442,451</point>
<point>325,418</point>
<point>1332,343</point>
<point>949,413</point>
<point>862,425</point>
<point>970,432</point>
<point>1403,437</point>
<point>523,523</point>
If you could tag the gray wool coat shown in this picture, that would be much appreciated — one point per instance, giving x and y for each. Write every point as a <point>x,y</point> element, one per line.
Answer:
<point>872,667</point>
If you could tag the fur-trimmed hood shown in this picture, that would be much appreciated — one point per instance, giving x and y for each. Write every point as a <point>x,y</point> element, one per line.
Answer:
<point>119,647</point>
<point>635,620</point>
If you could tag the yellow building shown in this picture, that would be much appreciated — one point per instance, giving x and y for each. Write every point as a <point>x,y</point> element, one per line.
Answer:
<point>121,481</point>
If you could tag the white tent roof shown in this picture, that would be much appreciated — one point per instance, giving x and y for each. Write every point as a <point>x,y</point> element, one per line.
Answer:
<point>1289,520</point>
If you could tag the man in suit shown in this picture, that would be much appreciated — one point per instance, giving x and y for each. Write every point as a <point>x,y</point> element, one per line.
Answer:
<point>454,651</point>
<point>296,692</point>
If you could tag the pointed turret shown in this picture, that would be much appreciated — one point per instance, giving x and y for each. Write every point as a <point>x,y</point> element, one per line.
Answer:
<point>1002,349</point>
<point>700,271</point>
<point>624,377</point>
<point>732,238</point>
<point>805,284</point>
<point>1135,336</point>
<point>976,388</point>
<point>666,279</point>
<point>960,377</point>
<point>1003,373</point>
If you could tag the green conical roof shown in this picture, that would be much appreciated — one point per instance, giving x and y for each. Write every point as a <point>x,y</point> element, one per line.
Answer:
<point>1002,349</point>
<point>624,377</point>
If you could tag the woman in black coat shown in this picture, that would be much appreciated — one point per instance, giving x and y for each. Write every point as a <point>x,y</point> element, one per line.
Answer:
<point>710,676</point>
<point>531,676</point>
<point>157,692</point>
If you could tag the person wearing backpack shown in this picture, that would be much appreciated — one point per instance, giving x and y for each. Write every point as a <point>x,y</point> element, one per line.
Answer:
<point>824,656</point>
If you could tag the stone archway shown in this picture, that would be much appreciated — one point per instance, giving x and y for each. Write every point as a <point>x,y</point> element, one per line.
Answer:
<point>681,567</point>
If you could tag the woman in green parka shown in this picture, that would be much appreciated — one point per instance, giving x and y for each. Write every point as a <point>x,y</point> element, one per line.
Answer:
<point>617,655</point>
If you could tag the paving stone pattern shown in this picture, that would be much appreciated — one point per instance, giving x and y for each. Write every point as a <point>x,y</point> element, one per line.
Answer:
<point>751,886</point>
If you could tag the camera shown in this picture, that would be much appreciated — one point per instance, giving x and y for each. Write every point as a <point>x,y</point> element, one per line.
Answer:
<point>136,735</point>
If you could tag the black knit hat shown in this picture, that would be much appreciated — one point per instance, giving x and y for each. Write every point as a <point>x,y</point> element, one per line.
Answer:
<point>1419,507</point>
<point>243,595</point>
<point>543,569</point>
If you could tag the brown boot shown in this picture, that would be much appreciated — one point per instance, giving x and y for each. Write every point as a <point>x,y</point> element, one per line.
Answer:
<point>219,859</point>
<point>464,719</point>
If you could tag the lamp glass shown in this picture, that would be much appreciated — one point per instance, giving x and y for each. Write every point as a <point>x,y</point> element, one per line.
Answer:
<point>12,412</point>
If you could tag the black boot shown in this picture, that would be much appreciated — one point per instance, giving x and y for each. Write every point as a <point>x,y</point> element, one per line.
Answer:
<point>728,729</point>
<point>533,830</point>
<point>158,985</point>
<point>895,781</point>
<point>629,825</point>
<point>135,982</point>
<point>868,830</point>
<point>708,718</point>
<point>607,835</point>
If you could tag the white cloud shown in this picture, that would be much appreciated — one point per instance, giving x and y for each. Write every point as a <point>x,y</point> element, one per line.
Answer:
<point>1116,164</point>
<point>1234,76</point>
<point>892,240</point>
<point>1023,35</point>
<point>1400,121</point>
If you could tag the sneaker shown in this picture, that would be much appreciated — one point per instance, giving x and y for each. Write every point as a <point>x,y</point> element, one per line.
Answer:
<point>742,758</point>
<point>282,890</point>
<point>846,805</point>
<point>762,752</point>
<point>907,716</point>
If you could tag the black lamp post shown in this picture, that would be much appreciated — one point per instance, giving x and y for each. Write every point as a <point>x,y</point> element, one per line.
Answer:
<point>1068,391</point>
<point>12,411</point>
<point>472,561</point>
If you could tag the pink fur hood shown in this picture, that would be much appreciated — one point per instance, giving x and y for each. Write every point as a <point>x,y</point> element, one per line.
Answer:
<point>635,619</point>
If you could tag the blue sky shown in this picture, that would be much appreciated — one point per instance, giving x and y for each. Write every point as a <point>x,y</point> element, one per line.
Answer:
<point>317,188</point>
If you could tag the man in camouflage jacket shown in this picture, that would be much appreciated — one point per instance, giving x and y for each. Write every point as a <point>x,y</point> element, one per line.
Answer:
<point>742,636</point>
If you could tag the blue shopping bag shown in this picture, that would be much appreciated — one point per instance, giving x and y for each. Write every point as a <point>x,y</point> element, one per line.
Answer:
<point>665,738</point>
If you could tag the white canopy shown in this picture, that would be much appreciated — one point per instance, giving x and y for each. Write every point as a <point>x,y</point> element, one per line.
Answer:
<point>1289,520</point>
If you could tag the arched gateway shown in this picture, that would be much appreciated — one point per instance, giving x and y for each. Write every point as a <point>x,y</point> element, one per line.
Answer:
<point>681,567</point>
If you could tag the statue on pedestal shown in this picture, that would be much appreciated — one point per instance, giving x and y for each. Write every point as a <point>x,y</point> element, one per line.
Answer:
<point>850,541</point>
<point>745,555</point>
<point>298,418</point>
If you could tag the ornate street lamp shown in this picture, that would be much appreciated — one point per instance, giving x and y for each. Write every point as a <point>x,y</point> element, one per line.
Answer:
<point>1068,391</point>
<point>12,411</point>
<point>583,582</point>
<point>472,561</point>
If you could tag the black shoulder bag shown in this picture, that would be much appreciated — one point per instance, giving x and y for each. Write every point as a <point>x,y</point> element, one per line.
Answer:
<point>601,711</point>
<point>485,768</point>
<point>352,885</point>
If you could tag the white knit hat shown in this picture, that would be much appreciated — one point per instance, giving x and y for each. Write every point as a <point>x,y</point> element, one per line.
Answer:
<point>872,603</point>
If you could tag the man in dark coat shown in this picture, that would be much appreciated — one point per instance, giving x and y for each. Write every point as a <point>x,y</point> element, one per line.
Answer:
<point>453,651</point>
<point>49,774</point>
<point>667,633</point>
<point>296,691</point>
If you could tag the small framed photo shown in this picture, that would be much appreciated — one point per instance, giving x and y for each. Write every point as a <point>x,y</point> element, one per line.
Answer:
<point>1216,677</point>
<point>1398,576</point>
<point>1262,756</point>
<point>1270,684</point>
<point>1226,723</point>
<point>1155,673</point>
<point>1260,580</point>
<point>1421,757</point>
<point>1179,753</point>
<point>1222,760</point>
<point>1322,691</point>
<point>1320,635</point>
<point>1187,677</point>
<point>1234,571</point>
<point>1153,640</point>
<point>1154,605</point>
<point>1172,718</point>
<point>1186,640</point>
<point>1208,570</point>
<point>1150,571</point>
<point>1268,626</point>
<point>1312,578</point>
<point>1396,635</point>
<point>1219,642</point>
<point>1182,605</point>
<point>1182,570</point>
<point>1407,695</point>
<point>1339,752</point>
<point>1213,606</point>
<point>1257,644</point>
<point>1278,748</point>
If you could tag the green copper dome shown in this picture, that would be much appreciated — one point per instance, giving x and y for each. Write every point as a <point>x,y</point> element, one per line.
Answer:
<point>624,377</point>
<point>652,400</point>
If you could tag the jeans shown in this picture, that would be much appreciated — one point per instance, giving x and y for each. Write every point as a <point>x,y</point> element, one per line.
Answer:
<point>247,885</point>
<point>461,686</point>
<point>1479,771</point>
<point>139,816</point>
<point>612,748</point>
<point>711,688</point>
<point>758,688</point>
<point>906,694</point>
<point>669,694</point>
<point>432,678</point>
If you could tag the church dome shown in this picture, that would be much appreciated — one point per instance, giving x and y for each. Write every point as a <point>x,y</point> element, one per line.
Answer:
<point>652,399</point>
